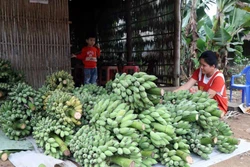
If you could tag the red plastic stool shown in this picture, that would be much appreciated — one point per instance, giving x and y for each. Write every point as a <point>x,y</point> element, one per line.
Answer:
<point>130,69</point>
<point>107,73</point>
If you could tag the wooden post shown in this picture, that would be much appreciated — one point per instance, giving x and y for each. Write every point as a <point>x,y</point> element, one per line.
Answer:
<point>129,32</point>
<point>177,40</point>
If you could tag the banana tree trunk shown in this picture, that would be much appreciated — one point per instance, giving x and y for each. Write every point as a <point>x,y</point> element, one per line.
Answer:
<point>223,61</point>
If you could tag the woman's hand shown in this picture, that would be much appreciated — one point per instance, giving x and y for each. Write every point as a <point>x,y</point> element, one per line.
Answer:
<point>193,90</point>
<point>187,85</point>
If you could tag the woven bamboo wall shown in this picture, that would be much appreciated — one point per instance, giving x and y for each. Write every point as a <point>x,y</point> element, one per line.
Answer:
<point>35,37</point>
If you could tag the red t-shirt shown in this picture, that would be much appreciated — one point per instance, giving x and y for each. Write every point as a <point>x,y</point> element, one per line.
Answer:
<point>217,83</point>
<point>89,56</point>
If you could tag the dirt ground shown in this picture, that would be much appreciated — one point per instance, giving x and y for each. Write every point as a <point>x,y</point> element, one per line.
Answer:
<point>239,123</point>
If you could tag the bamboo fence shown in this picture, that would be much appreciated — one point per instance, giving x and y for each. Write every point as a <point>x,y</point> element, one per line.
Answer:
<point>35,38</point>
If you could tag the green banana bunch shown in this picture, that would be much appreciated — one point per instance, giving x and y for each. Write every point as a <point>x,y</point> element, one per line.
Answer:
<point>176,153</point>
<point>199,96</point>
<point>64,107</point>
<point>226,144</point>
<point>97,146</point>
<point>15,124</point>
<point>146,144</point>
<point>194,140</point>
<point>176,97</point>
<point>223,128</point>
<point>134,89</point>
<point>158,126</point>
<point>90,89</point>
<point>108,85</point>
<point>117,117</point>
<point>24,95</point>
<point>60,80</point>
<point>89,95</point>
<point>206,120</point>
<point>53,137</point>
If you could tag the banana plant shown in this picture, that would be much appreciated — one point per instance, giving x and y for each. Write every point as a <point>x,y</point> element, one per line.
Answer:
<point>222,33</point>
<point>226,33</point>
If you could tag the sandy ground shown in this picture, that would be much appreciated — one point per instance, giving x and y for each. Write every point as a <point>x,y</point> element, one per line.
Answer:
<point>239,123</point>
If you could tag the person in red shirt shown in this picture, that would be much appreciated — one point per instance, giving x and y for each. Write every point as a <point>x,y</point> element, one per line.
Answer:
<point>89,56</point>
<point>209,79</point>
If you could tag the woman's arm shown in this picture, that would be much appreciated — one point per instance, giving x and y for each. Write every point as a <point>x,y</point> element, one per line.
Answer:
<point>187,85</point>
<point>217,86</point>
<point>211,93</point>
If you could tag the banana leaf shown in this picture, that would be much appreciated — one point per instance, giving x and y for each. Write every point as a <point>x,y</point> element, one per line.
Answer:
<point>222,37</point>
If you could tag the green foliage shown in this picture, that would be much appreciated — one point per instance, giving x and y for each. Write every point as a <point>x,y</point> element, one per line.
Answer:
<point>240,60</point>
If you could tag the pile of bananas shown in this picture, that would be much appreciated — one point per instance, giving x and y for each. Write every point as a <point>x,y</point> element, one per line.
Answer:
<point>131,122</point>
<point>60,80</point>
<point>53,137</point>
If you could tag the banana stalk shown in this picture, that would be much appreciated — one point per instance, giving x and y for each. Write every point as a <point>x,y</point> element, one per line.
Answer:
<point>19,125</point>
<point>208,140</point>
<point>185,156</point>
<point>73,113</point>
<point>138,125</point>
<point>5,154</point>
<point>122,161</point>
<point>147,153</point>
<point>62,145</point>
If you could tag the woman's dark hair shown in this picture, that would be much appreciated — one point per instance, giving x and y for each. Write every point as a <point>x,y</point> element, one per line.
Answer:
<point>210,58</point>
